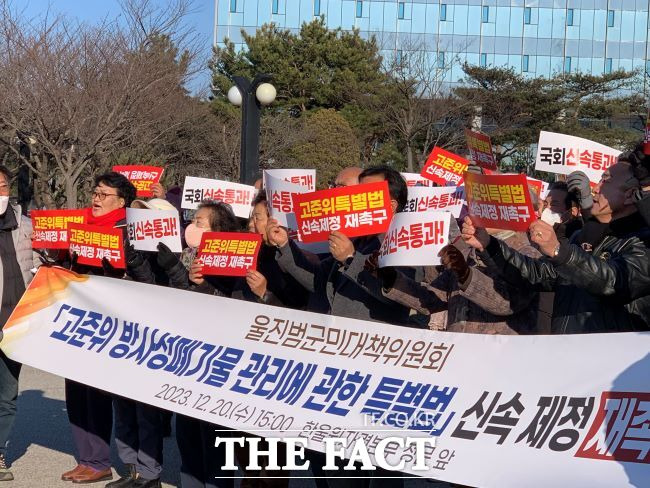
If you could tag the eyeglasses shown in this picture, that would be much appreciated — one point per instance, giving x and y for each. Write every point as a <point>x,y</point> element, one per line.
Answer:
<point>102,196</point>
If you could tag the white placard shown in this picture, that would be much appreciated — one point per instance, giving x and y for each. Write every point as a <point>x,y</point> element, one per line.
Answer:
<point>415,239</point>
<point>562,154</point>
<point>302,177</point>
<point>415,179</point>
<point>436,199</point>
<point>239,197</point>
<point>147,227</point>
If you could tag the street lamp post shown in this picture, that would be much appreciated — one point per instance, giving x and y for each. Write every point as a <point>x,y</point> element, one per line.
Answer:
<point>251,95</point>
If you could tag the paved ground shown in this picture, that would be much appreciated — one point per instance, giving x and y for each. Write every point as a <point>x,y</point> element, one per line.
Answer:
<point>41,445</point>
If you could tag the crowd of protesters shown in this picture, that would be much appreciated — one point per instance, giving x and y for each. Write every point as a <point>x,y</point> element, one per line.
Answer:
<point>582,267</point>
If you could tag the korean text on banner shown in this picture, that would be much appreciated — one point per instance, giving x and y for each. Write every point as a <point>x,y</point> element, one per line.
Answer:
<point>142,177</point>
<point>280,203</point>
<point>358,210</point>
<point>480,147</point>
<point>93,243</point>
<point>414,179</point>
<point>444,167</point>
<point>238,196</point>
<point>305,178</point>
<point>563,154</point>
<point>415,239</point>
<point>443,198</point>
<point>147,227</point>
<point>499,201</point>
<point>51,227</point>
<point>228,253</point>
<point>577,420</point>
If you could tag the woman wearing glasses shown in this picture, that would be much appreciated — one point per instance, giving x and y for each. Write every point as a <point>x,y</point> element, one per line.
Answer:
<point>90,410</point>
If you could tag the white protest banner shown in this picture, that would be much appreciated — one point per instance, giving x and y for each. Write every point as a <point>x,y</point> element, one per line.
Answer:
<point>540,411</point>
<point>147,227</point>
<point>238,196</point>
<point>415,179</point>
<point>278,194</point>
<point>305,178</point>
<point>444,198</point>
<point>415,239</point>
<point>563,154</point>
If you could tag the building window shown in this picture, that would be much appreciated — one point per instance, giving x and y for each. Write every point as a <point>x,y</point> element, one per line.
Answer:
<point>527,15</point>
<point>483,61</point>
<point>400,10</point>
<point>567,64</point>
<point>443,11</point>
<point>441,60</point>
<point>233,5</point>
<point>485,17</point>
<point>275,7</point>
<point>524,64</point>
<point>316,8</point>
<point>610,18</point>
<point>359,8</point>
<point>569,17</point>
<point>608,65</point>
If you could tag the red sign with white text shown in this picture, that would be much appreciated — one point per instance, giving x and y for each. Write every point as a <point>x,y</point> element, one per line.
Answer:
<point>358,210</point>
<point>228,253</point>
<point>93,243</point>
<point>480,147</point>
<point>499,201</point>
<point>445,168</point>
<point>142,177</point>
<point>50,227</point>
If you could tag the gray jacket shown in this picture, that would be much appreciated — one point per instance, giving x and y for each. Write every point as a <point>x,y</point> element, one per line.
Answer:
<point>22,236</point>
<point>347,290</point>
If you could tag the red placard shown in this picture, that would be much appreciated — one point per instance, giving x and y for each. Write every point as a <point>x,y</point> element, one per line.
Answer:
<point>92,243</point>
<point>536,186</point>
<point>499,201</point>
<point>444,167</point>
<point>480,147</point>
<point>228,253</point>
<point>358,210</point>
<point>50,227</point>
<point>142,177</point>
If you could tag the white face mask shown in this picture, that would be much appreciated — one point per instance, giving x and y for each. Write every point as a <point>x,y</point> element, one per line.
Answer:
<point>550,217</point>
<point>4,203</point>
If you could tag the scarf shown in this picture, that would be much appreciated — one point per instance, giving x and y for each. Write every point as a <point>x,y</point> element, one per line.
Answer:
<point>107,220</point>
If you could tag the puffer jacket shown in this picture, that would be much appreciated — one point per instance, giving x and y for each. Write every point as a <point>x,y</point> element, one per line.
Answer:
<point>22,237</point>
<point>605,290</point>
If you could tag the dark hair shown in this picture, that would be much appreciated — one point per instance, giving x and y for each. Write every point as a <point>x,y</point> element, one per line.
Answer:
<point>571,200</point>
<point>222,218</point>
<point>640,163</point>
<point>5,171</point>
<point>124,187</point>
<point>259,198</point>
<point>396,183</point>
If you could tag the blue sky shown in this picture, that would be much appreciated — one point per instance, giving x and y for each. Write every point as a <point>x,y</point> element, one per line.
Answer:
<point>93,11</point>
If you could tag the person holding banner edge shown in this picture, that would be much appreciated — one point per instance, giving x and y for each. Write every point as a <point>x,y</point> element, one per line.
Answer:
<point>90,410</point>
<point>16,261</point>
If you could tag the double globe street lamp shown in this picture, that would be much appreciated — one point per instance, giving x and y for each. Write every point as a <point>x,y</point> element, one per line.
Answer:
<point>251,96</point>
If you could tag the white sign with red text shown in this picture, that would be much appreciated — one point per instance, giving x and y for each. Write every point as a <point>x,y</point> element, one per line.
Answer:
<point>147,227</point>
<point>415,239</point>
<point>305,178</point>
<point>432,199</point>
<point>416,179</point>
<point>239,197</point>
<point>562,154</point>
